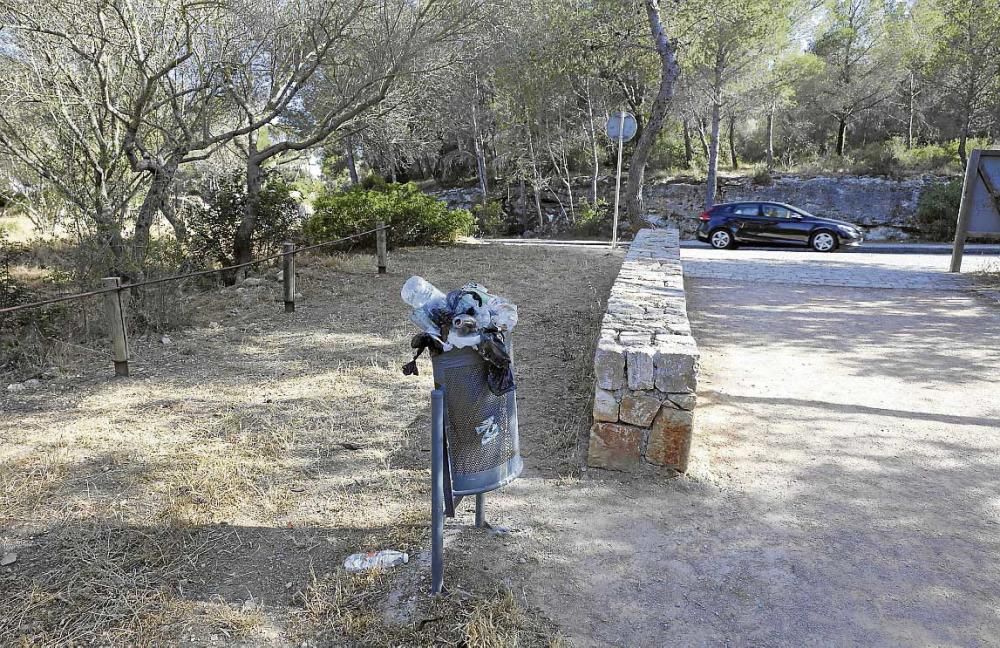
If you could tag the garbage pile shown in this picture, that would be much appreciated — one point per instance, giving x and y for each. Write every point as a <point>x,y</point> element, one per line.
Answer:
<point>464,318</point>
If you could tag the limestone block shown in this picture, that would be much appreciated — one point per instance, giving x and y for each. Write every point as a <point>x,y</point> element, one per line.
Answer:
<point>639,408</point>
<point>605,406</point>
<point>614,446</point>
<point>676,363</point>
<point>670,438</point>
<point>640,368</point>
<point>682,401</point>
<point>609,365</point>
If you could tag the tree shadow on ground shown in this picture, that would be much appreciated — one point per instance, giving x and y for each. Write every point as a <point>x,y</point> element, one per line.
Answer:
<point>258,448</point>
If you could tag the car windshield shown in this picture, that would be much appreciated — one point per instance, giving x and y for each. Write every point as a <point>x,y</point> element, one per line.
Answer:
<point>803,212</point>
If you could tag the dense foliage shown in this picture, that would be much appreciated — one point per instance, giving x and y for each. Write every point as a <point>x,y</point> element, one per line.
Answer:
<point>219,206</point>
<point>937,210</point>
<point>509,95</point>
<point>415,217</point>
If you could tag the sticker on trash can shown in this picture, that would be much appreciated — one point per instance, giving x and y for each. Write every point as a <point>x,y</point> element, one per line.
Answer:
<point>489,430</point>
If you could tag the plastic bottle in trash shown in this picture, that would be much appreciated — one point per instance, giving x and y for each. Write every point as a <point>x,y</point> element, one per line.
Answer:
<point>375,560</point>
<point>417,292</point>
<point>504,315</point>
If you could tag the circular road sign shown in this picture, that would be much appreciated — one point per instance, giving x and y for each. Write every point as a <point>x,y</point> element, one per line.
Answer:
<point>619,127</point>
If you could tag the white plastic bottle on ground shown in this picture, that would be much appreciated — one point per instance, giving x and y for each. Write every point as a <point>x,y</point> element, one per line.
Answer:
<point>375,560</point>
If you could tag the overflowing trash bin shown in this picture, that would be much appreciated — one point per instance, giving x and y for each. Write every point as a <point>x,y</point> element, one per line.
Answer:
<point>474,436</point>
<point>468,335</point>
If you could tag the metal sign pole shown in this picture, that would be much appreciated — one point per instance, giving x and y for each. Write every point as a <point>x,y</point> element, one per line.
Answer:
<point>437,491</point>
<point>964,211</point>
<point>618,181</point>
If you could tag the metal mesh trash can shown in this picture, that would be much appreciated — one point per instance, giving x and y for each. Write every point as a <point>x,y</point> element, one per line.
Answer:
<point>480,427</point>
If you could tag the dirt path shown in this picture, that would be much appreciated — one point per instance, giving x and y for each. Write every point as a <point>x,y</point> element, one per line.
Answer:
<point>211,498</point>
<point>843,489</point>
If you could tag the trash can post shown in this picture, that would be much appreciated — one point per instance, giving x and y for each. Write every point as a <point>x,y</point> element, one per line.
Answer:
<point>437,491</point>
<point>481,510</point>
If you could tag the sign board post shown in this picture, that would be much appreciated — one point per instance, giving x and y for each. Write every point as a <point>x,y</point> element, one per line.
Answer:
<point>621,126</point>
<point>979,212</point>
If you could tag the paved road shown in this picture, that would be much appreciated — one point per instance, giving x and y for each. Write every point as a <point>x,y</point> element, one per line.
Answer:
<point>859,269</point>
<point>887,247</point>
<point>845,478</point>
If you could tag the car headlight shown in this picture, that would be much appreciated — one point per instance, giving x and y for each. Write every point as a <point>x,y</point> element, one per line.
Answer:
<point>850,232</point>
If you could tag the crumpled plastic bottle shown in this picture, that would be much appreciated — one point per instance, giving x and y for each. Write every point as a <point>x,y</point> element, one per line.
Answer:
<point>503,314</point>
<point>375,560</point>
<point>418,292</point>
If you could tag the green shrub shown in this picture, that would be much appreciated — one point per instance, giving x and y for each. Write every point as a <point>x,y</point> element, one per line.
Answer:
<point>491,219</point>
<point>926,157</point>
<point>212,223</point>
<point>593,220</point>
<point>761,176</point>
<point>415,217</point>
<point>937,210</point>
<point>877,159</point>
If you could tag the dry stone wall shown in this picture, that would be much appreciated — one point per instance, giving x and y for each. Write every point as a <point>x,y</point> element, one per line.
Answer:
<point>646,364</point>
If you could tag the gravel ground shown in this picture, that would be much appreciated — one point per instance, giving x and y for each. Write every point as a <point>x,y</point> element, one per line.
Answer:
<point>211,498</point>
<point>844,481</point>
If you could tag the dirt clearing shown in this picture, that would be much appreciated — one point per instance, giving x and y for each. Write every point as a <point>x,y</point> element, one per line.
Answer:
<point>211,498</point>
<point>842,490</point>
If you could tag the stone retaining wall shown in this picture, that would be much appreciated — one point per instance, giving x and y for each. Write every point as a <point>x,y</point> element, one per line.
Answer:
<point>646,363</point>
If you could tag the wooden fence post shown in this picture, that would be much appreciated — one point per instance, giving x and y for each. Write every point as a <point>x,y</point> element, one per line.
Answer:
<point>380,245</point>
<point>288,275</point>
<point>114,312</point>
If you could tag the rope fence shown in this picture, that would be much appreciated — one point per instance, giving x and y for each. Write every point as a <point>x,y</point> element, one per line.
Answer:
<point>114,308</point>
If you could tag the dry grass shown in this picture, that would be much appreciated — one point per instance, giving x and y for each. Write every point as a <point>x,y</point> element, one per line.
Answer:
<point>216,492</point>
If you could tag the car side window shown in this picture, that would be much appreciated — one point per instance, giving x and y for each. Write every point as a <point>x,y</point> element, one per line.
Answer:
<point>745,210</point>
<point>775,211</point>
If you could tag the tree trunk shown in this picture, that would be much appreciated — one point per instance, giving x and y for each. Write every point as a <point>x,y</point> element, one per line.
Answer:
<point>712,177</point>
<point>243,241</point>
<point>770,137</point>
<point>536,179</point>
<point>688,149</point>
<point>963,141</point>
<point>109,233</point>
<point>841,135</point>
<point>155,202</point>
<point>522,198</point>
<point>669,71</point>
<point>909,120</point>
<point>732,143</point>
<point>352,167</point>
<point>702,138</point>
<point>593,150</point>
<point>477,145</point>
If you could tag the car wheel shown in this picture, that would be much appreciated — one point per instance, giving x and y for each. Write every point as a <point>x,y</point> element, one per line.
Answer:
<point>823,241</point>
<point>721,239</point>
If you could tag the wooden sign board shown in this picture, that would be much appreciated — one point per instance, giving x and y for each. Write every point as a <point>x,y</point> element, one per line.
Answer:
<point>979,213</point>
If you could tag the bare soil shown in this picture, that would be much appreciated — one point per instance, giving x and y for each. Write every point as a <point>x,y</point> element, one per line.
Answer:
<point>842,492</point>
<point>212,497</point>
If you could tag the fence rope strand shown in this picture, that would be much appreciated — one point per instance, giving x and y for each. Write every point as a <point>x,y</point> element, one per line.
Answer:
<point>199,273</point>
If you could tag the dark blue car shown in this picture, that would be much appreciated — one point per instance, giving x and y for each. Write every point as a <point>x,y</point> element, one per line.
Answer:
<point>729,225</point>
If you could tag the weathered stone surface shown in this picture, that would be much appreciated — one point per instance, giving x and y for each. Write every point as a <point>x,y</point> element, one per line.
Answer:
<point>614,446</point>
<point>683,401</point>
<point>639,368</point>
<point>639,409</point>
<point>886,207</point>
<point>605,406</point>
<point>676,364</point>
<point>609,365</point>
<point>645,343</point>
<point>670,438</point>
